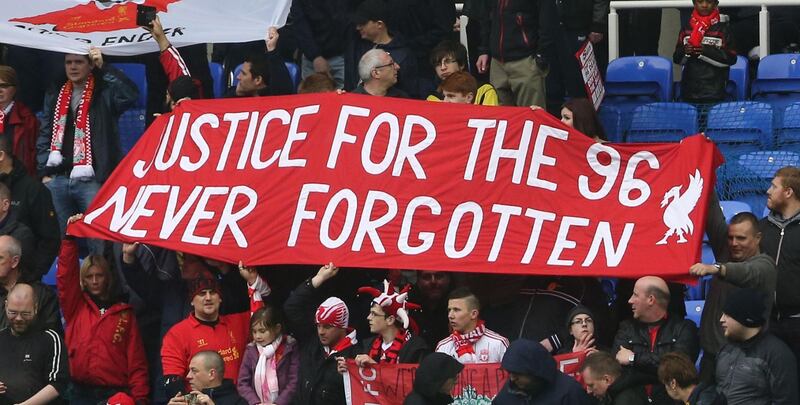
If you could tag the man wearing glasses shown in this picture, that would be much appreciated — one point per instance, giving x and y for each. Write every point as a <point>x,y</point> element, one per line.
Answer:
<point>378,73</point>
<point>10,274</point>
<point>33,367</point>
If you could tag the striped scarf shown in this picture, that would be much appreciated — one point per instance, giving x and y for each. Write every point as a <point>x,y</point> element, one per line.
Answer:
<point>391,355</point>
<point>464,343</point>
<point>82,147</point>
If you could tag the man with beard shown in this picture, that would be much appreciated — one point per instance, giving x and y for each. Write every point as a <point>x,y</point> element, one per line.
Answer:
<point>33,367</point>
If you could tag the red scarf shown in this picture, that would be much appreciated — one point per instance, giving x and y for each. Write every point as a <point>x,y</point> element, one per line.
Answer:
<point>343,343</point>
<point>9,107</point>
<point>465,343</point>
<point>82,147</point>
<point>700,24</point>
<point>390,356</point>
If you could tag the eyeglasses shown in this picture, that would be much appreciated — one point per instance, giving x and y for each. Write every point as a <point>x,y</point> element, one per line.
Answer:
<point>386,65</point>
<point>24,315</point>
<point>6,85</point>
<point>586,321</point>
<point>375,314</point>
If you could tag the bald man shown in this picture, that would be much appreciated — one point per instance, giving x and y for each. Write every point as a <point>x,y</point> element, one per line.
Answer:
<point>33,367</point>
<point>640,342</point>
<point>48,315</point>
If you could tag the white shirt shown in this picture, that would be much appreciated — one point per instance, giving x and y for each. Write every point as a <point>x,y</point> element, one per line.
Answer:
<point>490,348</point>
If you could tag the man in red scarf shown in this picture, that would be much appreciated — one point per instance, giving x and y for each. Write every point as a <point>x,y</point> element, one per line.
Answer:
<point>703,49</point>
<point>471,341</point>
<point>389,321</point>
<point>78,145</point>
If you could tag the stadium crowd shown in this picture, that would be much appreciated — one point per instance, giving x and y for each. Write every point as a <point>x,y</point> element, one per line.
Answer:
<point>134,323</point>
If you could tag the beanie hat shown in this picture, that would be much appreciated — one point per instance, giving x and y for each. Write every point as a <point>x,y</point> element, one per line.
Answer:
<point>120,398</point>
<point>333,311</point>
<point>746,306</point>
<point>580,309</point>
<point>204,282</point>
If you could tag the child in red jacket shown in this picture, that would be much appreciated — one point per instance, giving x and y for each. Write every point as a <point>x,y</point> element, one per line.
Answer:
<point>105,348</point>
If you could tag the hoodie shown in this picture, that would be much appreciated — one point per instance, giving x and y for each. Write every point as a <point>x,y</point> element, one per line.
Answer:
<point>432,373</point>
<point>531,358</point>
<point>781,241</point>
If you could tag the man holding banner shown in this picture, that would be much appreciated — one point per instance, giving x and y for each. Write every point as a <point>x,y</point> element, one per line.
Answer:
<point>320,381</point>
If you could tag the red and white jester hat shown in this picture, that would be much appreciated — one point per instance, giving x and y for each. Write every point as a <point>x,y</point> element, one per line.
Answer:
<point>393,302</point>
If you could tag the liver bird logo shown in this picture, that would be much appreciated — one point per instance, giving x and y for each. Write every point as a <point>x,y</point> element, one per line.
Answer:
<point>95,16</point>
<point>679,206</point>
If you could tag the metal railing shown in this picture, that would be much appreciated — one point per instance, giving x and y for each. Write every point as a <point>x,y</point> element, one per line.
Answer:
<point>763,18</point>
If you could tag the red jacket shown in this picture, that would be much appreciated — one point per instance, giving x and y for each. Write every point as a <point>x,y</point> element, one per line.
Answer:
<point>25,128</point>
<point>175,67</point>
<point>189,337</point>
<point>104,350</point>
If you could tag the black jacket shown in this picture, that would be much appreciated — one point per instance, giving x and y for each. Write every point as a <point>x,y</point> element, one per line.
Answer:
<point>530,358</point>
<point>759,371</point>
<point>320,382</point>
<point>625,391</point>
<point>225,394</point>
<point>516,29</point>
<point>704,394</point>
<point>412,351</point>
<point>31,362</point>
<point>584,16</point>
<point>401,54</point>
<point>781,240</point>
<point>705,76</point>
<point>48,313</point>
<point>429,379</point>
<point>32,205</point>
<point>675,334</point>
<point>19,231</point>
<point>321,26</point>
<point>114,93</point>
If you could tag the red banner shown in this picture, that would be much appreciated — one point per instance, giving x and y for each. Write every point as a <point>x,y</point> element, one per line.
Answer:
<point>389,384</point>
<point>387,183</point>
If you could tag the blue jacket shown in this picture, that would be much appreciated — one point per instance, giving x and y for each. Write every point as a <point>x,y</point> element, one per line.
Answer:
<point>530,358</point>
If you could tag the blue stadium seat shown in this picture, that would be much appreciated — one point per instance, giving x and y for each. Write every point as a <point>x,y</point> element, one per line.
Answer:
<point>132,122</point>
<point>216,77</point>
<point>294,73</point>
<point>694,310</point>
<point>707,254</point>
<point>747,178</point>
<point>740,127</point>
<point>611,118</point>
<point>662,122</point>
<point>788,133</point>
<point>635,80</point>
<point>731,208</point>
<point>738,80</point>
<point>50,277</point>
<point>778,81</point>
<point>235,74</point>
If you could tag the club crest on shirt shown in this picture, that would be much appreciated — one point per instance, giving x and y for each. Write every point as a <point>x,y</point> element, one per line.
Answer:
<point>484,356</point>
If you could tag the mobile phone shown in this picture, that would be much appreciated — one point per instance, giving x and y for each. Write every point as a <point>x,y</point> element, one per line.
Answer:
<point>145,15</point>
<point>190,398</point>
